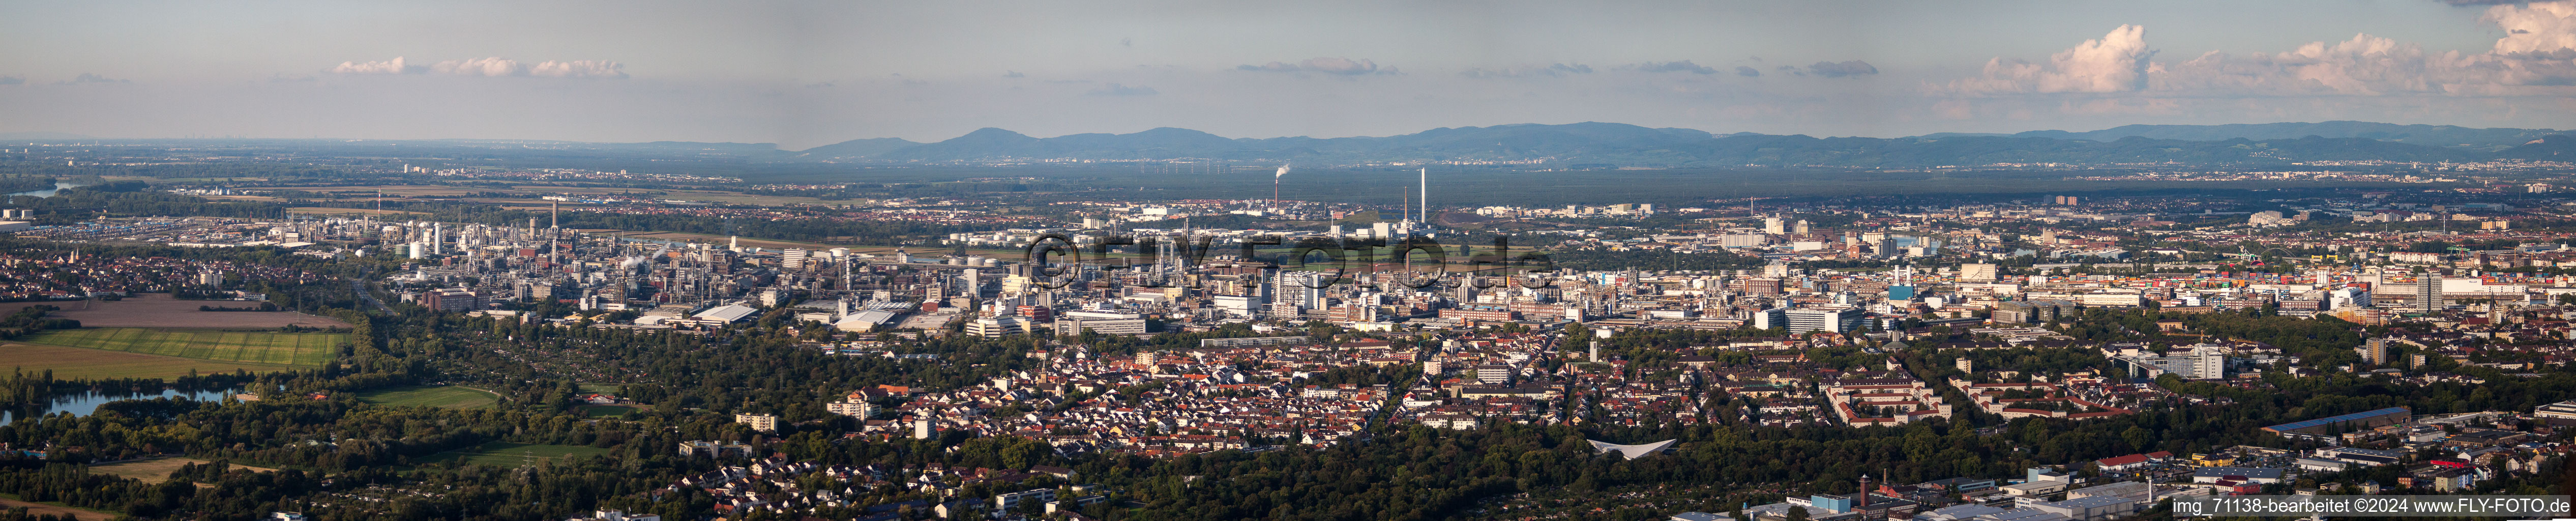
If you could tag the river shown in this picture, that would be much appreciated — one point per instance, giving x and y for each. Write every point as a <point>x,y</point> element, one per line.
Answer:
<point>85,403</point>
<point>49,192</point>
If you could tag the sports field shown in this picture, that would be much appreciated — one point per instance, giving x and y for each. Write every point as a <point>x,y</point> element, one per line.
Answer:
<point>501,454</point>
<point>607,411</point>
<point>73,362</point>
<point>259,347</point>
<point>452,397</point>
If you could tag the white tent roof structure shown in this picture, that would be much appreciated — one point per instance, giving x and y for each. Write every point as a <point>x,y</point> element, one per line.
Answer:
<point>1633,451</point>
<point>865,320</point>
<point>728,313</point>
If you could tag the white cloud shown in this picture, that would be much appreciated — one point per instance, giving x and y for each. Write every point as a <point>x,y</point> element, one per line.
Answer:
<point>1552,70</point>
<point>493,66</point>
<point>2536,57</point>
<point>1679,66</point>
<point>393,66</point>
<point>2117,62</point>
<point>1841,69</point>
<point>1344,66</point>
<point>580,69</point>
<point>480,67</point>
<point>1340,66</point>
<point>2544,28</point>
<point>2363,65</point>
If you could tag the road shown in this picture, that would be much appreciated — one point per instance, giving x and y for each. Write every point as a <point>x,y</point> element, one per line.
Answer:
<point>360,288</point>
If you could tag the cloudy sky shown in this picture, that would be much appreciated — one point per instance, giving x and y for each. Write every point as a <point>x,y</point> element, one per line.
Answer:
<point>807,74</point>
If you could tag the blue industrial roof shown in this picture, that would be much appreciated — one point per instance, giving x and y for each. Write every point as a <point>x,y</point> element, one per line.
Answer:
<point>2338,419</point>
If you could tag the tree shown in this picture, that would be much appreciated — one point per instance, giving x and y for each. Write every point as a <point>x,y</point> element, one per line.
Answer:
<point>2138,438</point>
<point>1797,513</point>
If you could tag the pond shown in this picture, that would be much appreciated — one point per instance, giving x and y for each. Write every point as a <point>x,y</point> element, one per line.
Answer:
<point>49,192</point>
<point>85,403</point>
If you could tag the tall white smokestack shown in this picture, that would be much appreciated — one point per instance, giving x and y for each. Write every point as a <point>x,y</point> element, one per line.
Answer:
<point>1426,197</point>
<point>1274,187</point>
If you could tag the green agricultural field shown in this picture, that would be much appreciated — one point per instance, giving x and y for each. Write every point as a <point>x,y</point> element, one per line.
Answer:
<point>452,397</point>
<point>258,347</point>
<point>501,454</point>
<point>78,363</point>
<point>608,411</point>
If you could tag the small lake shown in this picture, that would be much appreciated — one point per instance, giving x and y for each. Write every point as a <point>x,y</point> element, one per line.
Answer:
<point>85,403</point>
<point>49,192</point>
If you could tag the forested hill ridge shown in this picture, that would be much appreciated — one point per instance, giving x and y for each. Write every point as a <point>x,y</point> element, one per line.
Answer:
<point>1577,145</point>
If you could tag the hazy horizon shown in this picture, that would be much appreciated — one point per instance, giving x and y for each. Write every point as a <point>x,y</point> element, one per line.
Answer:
<point>28,135</point>
<point>809,74</point>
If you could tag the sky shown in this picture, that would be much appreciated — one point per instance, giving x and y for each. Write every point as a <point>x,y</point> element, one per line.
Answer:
<point>805,74</point>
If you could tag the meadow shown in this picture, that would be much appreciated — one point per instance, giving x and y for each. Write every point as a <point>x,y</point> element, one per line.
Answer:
<point>156,470</point>
<point>159,310</point>
<point>74,362</point>
<point>258,347</point>
<point>452,397</point>
<point>501,454</point>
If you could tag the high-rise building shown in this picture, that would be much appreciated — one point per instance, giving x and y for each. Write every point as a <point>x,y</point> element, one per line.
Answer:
<point>1775,226</point>
<point>855,405</point>
<point>2210,361</point>
<point>1104,322</point>
<point>2427,290</point>
<point>1762,286</point>
<point>1829,320</point>
<point>758,422</point>
<point>792,259</point>
<point>2374,351</point>
<point>2198,362</point>
<point>1771,318</point>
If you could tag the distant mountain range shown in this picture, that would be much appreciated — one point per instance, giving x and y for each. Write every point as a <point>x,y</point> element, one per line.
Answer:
<point>1503,141</point>
<point>1617,144</point>
<point>857,148</point>
<point>1583,145</point>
